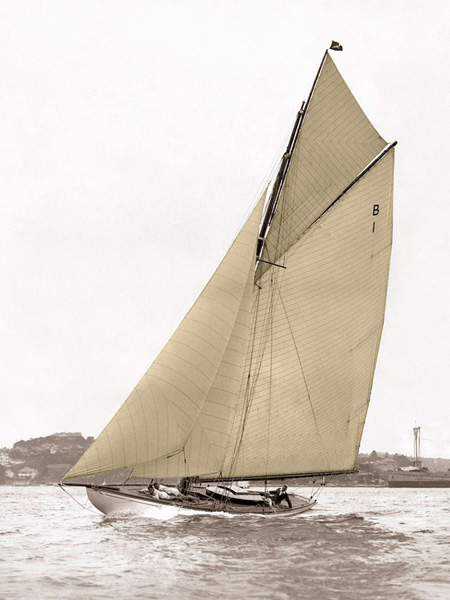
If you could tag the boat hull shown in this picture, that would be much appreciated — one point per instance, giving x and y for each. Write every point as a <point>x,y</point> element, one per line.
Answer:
<point>418,480</point>
<point>419,483</point>
<point>112,502</point>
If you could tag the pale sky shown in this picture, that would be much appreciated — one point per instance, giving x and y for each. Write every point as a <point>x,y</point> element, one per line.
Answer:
<point>134,137</point>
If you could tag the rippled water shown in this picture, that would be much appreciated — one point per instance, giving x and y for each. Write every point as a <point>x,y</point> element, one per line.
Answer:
<point>357,543</point>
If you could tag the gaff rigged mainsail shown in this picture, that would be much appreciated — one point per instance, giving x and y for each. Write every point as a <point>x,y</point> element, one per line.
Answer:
<point>270,372</point>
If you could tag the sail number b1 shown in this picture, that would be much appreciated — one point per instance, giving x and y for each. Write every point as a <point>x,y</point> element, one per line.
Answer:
<point>375,212</point>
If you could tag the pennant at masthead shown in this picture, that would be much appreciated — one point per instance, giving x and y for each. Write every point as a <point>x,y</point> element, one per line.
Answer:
<point>336,46</point>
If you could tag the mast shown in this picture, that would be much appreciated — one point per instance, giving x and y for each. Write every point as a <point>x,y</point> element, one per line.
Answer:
<point>279,180</point>
<point>417,459</point>
<point>284,166</point>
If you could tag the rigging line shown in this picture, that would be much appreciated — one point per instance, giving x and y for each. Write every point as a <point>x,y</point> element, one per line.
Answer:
<point>251,388</point>
<point>265,182</point>
<point>212,380</point>
<point>129,476</point>
<point>146,423</point>
<point>248,399</point>
<point>79,503</point>
<point>248,393</point>
<point>304,380</point>
<point>275,289</point>
<point>235,419</point>
<point>271,171</point>
<point>240,435</point>
<point>251,385</point>
<point>267,326</point>
<point>271,263</point>
<point>270,384</point>
<point>186,464</point>
<point>319,490</point>
<point>156,429</point>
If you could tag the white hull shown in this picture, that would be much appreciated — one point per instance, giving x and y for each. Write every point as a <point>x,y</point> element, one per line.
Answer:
<point>112,502</point>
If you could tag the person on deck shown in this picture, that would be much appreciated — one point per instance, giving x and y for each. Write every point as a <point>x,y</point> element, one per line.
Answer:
<point>151,491</point>
<point>268,502</point>
<point>281,494</point>
<point>172,491</point>
<point>160,494</point>
<point>184,488</point>
<point>185,485</point>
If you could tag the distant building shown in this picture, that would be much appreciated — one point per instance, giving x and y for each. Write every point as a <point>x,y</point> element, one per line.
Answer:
<point>386,464</point>
<point>4,459</point>
<point>402,460</point>
<point>26,474</point>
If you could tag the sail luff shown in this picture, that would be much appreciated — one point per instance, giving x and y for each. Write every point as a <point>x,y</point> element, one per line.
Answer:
<point>284,166</point>
<point>278,183</point>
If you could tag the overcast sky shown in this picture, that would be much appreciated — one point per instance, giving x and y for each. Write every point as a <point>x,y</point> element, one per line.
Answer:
<point>134,137</point>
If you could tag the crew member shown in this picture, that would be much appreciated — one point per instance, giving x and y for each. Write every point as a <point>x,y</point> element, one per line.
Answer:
<point>281,494</point>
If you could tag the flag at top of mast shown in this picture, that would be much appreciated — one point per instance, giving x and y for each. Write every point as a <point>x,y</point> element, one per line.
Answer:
<point>335,46</point>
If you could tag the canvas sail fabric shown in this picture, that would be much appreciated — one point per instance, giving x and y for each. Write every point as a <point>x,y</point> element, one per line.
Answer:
<point>206,446</point>
<point>178,415</point>
<point>270,373</point>
<point>316,337</point>
<point>336,141</point>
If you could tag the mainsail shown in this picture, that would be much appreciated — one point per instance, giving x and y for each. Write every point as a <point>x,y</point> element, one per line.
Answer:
<point>270,372</point>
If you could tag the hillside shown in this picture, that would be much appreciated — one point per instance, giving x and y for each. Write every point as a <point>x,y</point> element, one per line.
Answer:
<point>46,460</point>
<point>41,460</point>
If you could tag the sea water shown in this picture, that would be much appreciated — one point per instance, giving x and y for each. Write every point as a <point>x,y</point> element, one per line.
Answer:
<point>370,543</point>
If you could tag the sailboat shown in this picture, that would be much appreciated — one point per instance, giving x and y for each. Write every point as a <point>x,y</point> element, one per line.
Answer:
<point>269,375</point>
